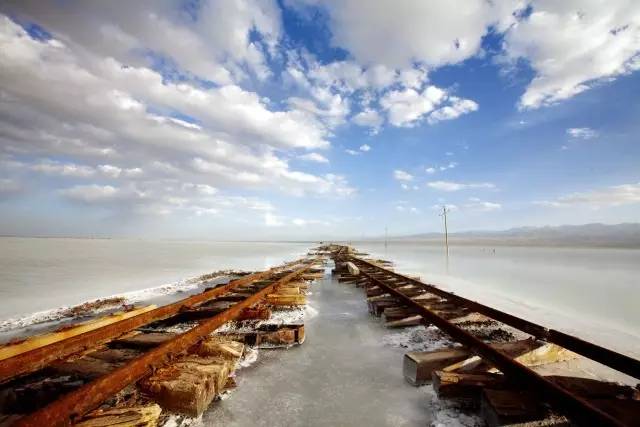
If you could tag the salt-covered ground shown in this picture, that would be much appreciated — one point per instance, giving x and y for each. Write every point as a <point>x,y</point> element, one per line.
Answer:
<point>348,373</point>
<point>47,320</point>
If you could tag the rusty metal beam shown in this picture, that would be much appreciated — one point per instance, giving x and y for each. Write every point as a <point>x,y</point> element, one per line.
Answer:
<point>610,358</point>
<point>72,406</point>
<point>577,408</point>
<point>39,358</point>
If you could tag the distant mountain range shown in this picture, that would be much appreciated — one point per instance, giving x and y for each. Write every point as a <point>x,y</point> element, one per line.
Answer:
<point>618,235</point>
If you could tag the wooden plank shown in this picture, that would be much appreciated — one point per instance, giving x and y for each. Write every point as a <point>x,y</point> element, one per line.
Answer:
<point>135,416</point>
<point>279,300</point>
<point>453,385</point>
<point>38,358</point>
<point>142,341</point>
<point>592,351</point>
<point>189,385</point>
<point>407,321</point>
<point>528,352</point>
<point>38,341</point>
<point>288,290</point>
<point>95,364</point>
<point>457,385</point>
<point>396,313</point>
<point>508,407</point>
<point>260,312</point>
<point>418,366</point>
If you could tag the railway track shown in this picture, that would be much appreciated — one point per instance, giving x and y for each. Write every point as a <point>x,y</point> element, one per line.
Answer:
<point>130,364</point>
<point>497,375</point>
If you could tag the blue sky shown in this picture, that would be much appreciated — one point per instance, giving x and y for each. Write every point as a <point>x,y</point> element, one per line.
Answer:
<point>300,119</point>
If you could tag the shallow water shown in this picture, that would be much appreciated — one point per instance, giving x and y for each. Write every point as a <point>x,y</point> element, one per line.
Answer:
<point>41,274</point>
<point>591,292</point>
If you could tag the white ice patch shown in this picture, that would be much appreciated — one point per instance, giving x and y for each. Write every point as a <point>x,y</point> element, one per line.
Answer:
<point>169,289</point>
<point>417,338</point>
<point>33,319</point>
<point>294,316</point>
<point>133,297</point>
<point>250,357</point>
<point>182,421</point>
<point>310,312</point>
<point>447,414</point>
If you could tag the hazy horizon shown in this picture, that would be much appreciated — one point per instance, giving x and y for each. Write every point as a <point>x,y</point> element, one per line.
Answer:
<point>623,235</point>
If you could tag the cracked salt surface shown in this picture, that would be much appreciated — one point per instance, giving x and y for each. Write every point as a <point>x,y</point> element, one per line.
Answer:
<point>417,338</point>
<point>447,413</point>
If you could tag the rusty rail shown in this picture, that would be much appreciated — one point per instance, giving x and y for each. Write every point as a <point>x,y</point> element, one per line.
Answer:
<point>610,358</point>
<point>577,408</point>
<point>39,358</point>
<point>72,406</point>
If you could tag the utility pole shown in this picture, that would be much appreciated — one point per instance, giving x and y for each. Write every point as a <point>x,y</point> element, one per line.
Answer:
<point>385,237</point>
<point>446,234</point>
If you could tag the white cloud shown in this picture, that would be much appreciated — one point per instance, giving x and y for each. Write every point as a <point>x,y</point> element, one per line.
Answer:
<point>216,45</point>
<point>399,33</point>
<point>236,143</point>
<point>365,148</point>
<point>433,169</point>
<point>616,195</point>
<point>380,76</point>
<point>93,193</point>
<point>51,167</point>
<point>457,108</point>
<point>407,106</point>
<point>582,133</point>
<point>401,175</point>
<point>110,170</point>
<point>404,206</point>
<point>369,118</point>
<point>449,207</point>
<point>457,186</point>
<point>314,157</point>
<point>352,152</point>
<point>573,44</point>
<point>476,204</point>
<point>413,77</point>
<point>300,222</point>
<point>271,220</point>
<point>327,107</point>
<point>408,187</point>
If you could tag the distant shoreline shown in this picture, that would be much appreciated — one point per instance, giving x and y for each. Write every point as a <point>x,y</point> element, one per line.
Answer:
<point>503,243</point>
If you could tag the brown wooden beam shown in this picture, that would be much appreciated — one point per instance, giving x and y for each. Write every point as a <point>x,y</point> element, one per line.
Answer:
<point>613,359</point>
<point>74,405</point>
<point>39,358</point>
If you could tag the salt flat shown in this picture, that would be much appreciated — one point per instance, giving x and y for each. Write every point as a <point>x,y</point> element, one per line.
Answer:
<point>342,375</point>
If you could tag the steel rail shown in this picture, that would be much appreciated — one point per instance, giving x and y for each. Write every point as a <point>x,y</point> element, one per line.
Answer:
<point>610,358</point>
<point>575,407</point>
<point>70,407</point>
<point>39,358</point>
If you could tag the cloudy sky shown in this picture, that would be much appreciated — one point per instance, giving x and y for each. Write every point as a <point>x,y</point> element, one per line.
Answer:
<point>257,119</point>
